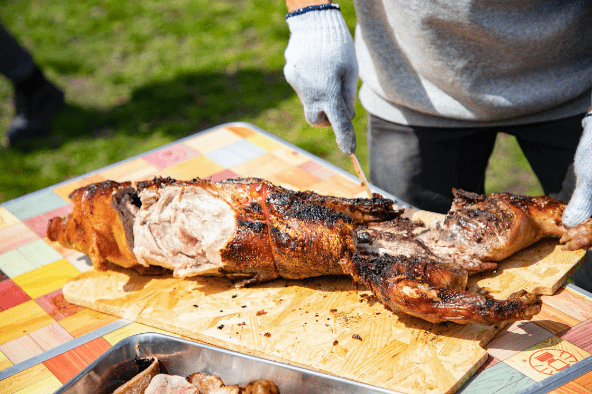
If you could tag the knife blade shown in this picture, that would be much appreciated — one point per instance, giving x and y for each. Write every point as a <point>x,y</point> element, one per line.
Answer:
<point>360,173</point>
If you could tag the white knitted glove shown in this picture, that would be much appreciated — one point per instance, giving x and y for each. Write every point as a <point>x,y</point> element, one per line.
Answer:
<point>321,66</point>
<point>580,204</point>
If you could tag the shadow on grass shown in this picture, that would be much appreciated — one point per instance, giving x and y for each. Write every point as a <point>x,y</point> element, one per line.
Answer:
<point>176,107</point>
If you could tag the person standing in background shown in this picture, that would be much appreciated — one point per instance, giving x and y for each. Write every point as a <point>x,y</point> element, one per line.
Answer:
<point>441,79</point>
<point>36,99</point>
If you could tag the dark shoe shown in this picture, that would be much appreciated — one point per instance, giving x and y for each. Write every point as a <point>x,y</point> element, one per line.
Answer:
<point>34,111</point>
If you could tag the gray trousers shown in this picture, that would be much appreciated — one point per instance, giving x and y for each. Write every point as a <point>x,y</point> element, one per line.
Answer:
<point>421,165</point>
<point>15,62</point>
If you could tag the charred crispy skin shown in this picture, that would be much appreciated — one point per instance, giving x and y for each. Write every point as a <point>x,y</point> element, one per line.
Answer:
<point>252,231</point>
<point>494,227</point>
<point>426,289</point>
<point>478,231</point>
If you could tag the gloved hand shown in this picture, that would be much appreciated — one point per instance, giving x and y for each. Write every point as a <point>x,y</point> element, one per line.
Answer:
<point>321,66</point>
<point>580,204</point>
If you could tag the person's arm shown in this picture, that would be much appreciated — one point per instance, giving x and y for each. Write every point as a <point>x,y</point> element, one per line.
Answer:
<point>580,204</point>
<point>322,68</point>
<point>294,5</point>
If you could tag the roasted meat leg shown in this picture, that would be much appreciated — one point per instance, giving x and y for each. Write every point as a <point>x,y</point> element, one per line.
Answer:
<point>424,288</point>
<point>478,231</point>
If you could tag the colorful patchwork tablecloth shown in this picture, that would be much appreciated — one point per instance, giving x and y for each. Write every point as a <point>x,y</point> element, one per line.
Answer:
<point>45,341</point>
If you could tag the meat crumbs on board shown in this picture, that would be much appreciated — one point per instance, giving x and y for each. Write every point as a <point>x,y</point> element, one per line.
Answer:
<point>252,231</point>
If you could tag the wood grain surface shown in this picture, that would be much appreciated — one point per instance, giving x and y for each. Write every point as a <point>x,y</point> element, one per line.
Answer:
<point>327,324</point>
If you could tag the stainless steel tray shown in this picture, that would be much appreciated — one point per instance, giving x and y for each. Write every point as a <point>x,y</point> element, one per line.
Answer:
<point>181,357</point>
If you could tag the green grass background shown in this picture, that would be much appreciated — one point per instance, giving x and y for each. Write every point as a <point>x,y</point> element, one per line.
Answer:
<point>138,74</point>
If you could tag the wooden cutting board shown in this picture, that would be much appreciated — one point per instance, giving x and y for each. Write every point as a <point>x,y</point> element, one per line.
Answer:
<point>326,324</point>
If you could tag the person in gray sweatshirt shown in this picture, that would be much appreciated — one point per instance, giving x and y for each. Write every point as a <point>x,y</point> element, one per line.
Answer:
<point>440,79</point>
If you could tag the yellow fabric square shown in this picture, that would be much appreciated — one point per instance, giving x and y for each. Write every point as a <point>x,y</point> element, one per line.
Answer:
<point>340,186</point>
<point>296,177</point>
<point>24,379</point>
<point>290,155</point>
<point>65,190</point>
<point>47,278</point>
<point>132,329</point>
<point>261,167</point>
<point>198,167</point>
<point>22,319</point>
<point>4,362</point>
<point>44,386</point>
<point>6,218</point>
<point>133,170</point>
<point>264,141</point>
<point>210,141</point>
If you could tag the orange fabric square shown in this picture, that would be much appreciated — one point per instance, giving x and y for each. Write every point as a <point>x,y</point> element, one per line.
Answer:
<point>585,380</point>
<point>92,350</point>
<point>66,365</point>
<point>571,388</point>
<point>242,131</point>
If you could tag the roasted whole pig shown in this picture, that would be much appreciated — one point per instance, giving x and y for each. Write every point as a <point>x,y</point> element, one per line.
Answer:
<point>245,229</point>
<point>253,231</point>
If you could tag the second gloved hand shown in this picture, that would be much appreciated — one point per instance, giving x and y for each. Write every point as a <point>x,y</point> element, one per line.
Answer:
<point>321,66</point>
<point>580,204</point>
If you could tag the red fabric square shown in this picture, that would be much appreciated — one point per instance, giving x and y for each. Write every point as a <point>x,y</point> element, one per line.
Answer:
<point>170,156</point>
<point>39,223</point>
<point>56,306</point>
<point>11,295</point>
<point>220,176</point>
<point>316,169</point>
<point>579,335</point>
